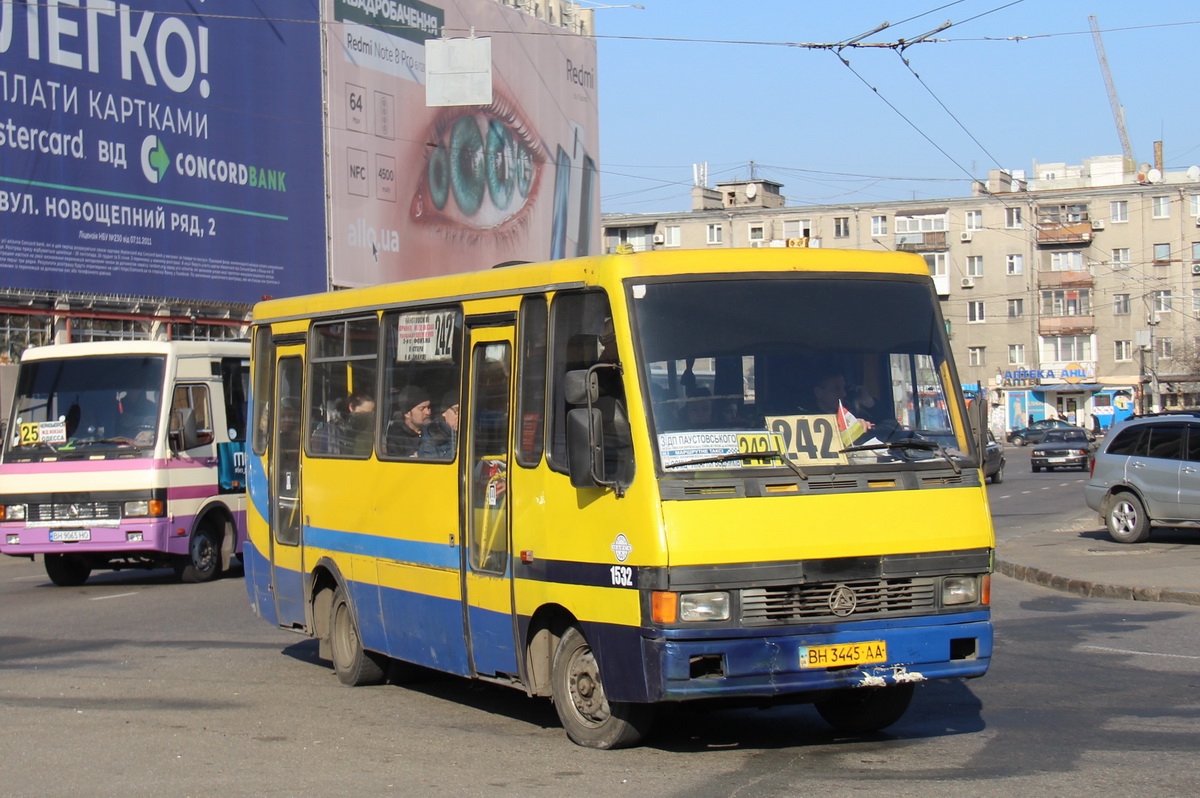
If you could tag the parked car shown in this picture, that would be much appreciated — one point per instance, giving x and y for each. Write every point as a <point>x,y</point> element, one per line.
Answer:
<point>1062,448</point>
<point>1034,432</point>
<point>993,461</point>
<point>1147,474</point>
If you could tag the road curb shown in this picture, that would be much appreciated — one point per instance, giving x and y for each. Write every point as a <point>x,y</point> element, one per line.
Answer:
<point>1090,589</point>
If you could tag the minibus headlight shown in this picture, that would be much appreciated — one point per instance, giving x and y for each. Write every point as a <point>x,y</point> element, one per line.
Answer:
<point>712,606</point>
<point>142,508</point>
<point>960,590</point>
<point>12,512</point>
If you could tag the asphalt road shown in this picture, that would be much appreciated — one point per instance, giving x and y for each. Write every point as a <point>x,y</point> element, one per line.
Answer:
<point>134,685</point>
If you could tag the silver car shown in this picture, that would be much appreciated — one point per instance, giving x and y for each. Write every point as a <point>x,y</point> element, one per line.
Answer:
<point>1147,474</point>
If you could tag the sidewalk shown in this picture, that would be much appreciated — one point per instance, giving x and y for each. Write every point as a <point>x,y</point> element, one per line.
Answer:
<point>1083,560</point>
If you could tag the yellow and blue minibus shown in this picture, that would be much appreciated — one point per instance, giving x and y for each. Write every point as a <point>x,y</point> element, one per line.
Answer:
<point>627,480</point>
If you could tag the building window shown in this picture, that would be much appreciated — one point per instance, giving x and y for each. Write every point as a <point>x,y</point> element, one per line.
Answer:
<point>19,332</point>
<point>715,233</point>
<point>1016,308</point>
<point>1014,264</point>
<point>1122,350</point>
<point>1194,205</point>
<point>1120,304</point>
<point>1067,302</point>
<point>1120,258</point>
<point>937,263</point>
<point>1118,211</point>
<point>1196,251</point>
<point>1066,348</point>
<point>1162,254</point>
<point>975,355</point>
<point>841,227</point>
<point>1012,218</point>
<point>1071,261</point>
<point>921,223</point>
<point>84,330</point>
<point>1062,214</point>
<point>1161,207</point>
<point>797,228</point>
<point>974,265</point>
<point>879,225</point>
<point>671,235</point>
<point>1162,301</point>
<point>975,312</point>
<point>1164,348</point>
<point>756,232</point>
<point>1016,354</point>
<point>974,220</point>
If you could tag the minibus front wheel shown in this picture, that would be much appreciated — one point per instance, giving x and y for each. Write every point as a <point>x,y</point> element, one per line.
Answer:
<point>588,717</point>
<point>353,665</point>
<point>67,570</point>
<point>859,710</point>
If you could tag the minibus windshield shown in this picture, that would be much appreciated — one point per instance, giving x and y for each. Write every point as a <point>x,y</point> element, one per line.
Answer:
<point>86,406</point>
<point>833,372</point>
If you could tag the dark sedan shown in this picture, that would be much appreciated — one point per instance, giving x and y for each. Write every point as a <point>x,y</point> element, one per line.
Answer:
<point>1062,448</point>
<point>1034,432</point>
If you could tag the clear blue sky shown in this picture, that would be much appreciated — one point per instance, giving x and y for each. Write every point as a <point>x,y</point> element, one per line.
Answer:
<point>816,126</point>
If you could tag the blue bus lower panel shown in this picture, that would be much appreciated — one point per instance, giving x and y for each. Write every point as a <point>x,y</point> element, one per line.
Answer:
<point>425,630</point>
<point>492,642</point>
<point>768,664</point>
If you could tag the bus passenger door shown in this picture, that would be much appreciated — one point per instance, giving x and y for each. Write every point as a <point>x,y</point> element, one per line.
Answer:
<point>487,589</point>
<point>287,525</point>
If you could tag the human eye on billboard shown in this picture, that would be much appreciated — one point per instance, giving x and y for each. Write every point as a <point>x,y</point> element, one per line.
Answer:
<point>482,173</point>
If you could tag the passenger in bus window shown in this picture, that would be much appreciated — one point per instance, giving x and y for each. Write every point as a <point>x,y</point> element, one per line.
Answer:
<point>411,414</point>
<point>440,438</point>
<point>359,434</point>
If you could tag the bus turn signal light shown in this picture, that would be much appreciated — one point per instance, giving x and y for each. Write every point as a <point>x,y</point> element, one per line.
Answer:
<point>664,607</point>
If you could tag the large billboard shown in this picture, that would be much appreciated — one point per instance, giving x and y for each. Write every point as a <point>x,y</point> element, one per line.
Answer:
<point>165,148</point>
<point>419,190</point>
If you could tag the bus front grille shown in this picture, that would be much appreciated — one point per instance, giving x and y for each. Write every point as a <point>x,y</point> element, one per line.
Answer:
<point>74,511</point>
<point>825,601</point>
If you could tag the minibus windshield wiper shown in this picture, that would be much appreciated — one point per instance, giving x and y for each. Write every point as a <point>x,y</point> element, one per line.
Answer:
<point>743,456</point>
<point>909,443</point>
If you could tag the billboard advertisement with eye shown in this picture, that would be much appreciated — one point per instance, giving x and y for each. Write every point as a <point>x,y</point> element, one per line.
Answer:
<point>418,191</point>
<point>165,149</point>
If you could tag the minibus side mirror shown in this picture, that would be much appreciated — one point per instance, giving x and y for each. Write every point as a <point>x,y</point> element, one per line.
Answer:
<point>585,447</point>
<point>184,435</point>
<point>581,387</point>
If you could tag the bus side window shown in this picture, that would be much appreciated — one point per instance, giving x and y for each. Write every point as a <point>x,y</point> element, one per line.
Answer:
<point>264,388</point>
<point>531,390</point>
<point>583,336</point>
<point>192,399</point>
<point>341,396</point>
<point>235,378</point>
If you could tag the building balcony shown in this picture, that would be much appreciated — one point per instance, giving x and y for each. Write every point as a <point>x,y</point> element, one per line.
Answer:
<point>1051,233</point>
<point>1066,325</point>
<point>921,242</point>
<point>1079,279</point>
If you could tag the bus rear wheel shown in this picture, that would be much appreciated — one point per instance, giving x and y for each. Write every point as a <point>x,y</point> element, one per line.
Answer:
<point>67,570</point>
<point>865,709</point>
<point>202,563</point>
<point>354,666</point>
<point>588,717</point>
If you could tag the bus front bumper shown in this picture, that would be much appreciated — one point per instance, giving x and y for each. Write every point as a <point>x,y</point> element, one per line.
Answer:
<point>130,535</point>
<point>749,665</point>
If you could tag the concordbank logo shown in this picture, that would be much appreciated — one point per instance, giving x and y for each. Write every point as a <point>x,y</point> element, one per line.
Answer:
<point>154,159</point>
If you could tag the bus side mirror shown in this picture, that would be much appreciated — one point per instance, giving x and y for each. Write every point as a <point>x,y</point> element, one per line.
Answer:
<point>585,447</point>
<point>581,387</point>
<point>183,433</point>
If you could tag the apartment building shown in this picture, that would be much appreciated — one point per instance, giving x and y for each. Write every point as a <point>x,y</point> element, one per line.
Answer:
<point>1071,291</point>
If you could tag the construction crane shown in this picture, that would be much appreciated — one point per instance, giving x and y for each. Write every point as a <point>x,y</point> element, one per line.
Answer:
<point>1117,112</point>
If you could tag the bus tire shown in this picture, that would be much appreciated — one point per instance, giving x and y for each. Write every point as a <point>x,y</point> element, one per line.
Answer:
<point>588,717</point>
<point>202,563</point>
<point>865,709</point>
<point>67,570</point>
<point>354,666</point>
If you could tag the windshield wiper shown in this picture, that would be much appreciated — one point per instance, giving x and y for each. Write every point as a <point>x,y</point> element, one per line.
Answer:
<point>909,443</point>
<point>743,456</point>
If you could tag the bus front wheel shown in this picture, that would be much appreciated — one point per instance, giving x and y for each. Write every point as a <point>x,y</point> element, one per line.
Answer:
<point>202,563</point>
<point>588,717</point>
<point>353,665</point>
<point>67,570</point>
<point>865,709</point>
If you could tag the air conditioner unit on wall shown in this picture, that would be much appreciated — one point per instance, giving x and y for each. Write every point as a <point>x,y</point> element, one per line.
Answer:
<point>1097,224</point>
<point>1196,269</point>
<point>967,282</point>
<point>659,238</point>
<point>965,237</point>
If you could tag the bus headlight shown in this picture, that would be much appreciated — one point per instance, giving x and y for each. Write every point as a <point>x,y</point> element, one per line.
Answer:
<point>960,590</point>
<point>712,606</point>
<point>143,508</point>
<point>12,512</point>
